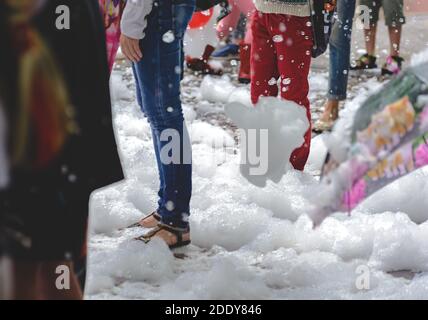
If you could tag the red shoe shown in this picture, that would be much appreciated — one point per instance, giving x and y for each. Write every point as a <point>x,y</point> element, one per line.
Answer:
<point>201,64</point>
<point>245,66</point>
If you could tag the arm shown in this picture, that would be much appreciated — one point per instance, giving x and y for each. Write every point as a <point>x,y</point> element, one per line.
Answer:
<point>134,19</point>
<point>133,25</point>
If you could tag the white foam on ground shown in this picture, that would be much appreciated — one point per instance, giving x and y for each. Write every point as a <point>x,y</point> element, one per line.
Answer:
<point>250,242</point>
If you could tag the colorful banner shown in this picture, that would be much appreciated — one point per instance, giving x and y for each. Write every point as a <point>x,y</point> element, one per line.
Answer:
<point>403,161</point>
<point>389,141</point>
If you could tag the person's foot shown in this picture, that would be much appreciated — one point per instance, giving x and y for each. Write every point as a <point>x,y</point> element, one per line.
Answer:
<point>228,51</point>
<point>329,116</point>
<point>392,65</point>
<point>365,62</point>
<point>170,238</point>
<point>150,221</point>
<point>174,237</point>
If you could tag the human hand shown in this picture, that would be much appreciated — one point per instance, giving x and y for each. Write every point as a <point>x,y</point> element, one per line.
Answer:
<point>131,48</point>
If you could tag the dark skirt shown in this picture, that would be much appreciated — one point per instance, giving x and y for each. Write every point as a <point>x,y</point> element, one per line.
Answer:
<point>45,213</point>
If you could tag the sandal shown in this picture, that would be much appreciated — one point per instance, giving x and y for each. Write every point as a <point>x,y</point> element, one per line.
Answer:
<point>392,66</point>
<point>328,118</point>
<point>138,224</point>
<point>177,232</point>
<point>365,62</point>
<point>202,66</point>
<point>321,126</point>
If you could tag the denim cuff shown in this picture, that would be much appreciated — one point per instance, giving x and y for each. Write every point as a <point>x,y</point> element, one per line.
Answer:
<point>174,222</point>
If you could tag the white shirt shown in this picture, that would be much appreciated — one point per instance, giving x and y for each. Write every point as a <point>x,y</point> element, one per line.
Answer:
<point>134,18</point>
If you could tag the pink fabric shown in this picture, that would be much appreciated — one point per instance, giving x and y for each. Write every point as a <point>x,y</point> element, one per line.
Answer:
<point>113,41</point>
<point>112,12</point>
<point>422,155</point>
<point>355,196</point>
<point>229,23</point>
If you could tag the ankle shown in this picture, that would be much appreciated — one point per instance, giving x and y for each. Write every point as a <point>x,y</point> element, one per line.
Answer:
<point>331,105</point>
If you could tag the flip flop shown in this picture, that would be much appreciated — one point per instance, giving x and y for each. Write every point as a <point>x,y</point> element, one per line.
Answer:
<point>177,232</point>
<point>154,214</point>
<point>321,126</point>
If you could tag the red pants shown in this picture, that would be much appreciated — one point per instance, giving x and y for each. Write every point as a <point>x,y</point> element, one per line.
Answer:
<point>281,48</point>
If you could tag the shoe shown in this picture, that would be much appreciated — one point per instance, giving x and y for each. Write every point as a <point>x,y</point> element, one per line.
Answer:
<point>229,50</point>
<point>174,237</point>
<point>392,65</point>
<point>201,64</point>
<point>322,126</point>
<point>365,62</point>
<point>245,66</point>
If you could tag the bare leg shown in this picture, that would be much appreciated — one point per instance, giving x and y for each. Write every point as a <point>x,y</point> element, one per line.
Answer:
<point>395,40</point>
<point>331,111</point>
<point>370,38</point>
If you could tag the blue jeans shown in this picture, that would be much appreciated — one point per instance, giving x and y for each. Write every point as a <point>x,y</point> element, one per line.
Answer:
<point>158,75</point>
<point>340,50</point>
